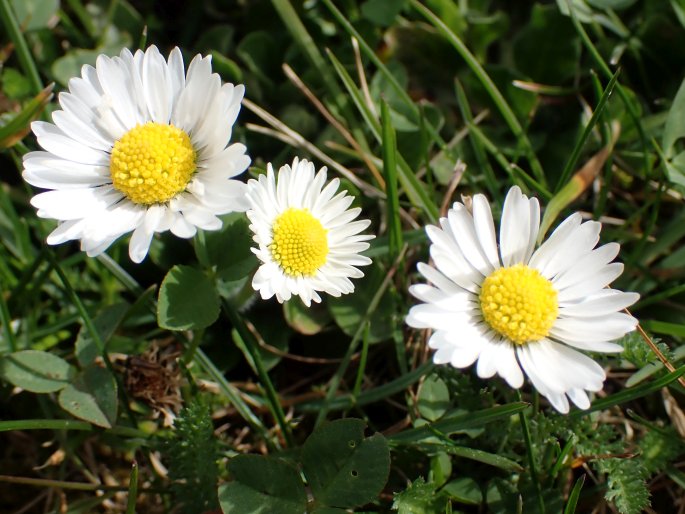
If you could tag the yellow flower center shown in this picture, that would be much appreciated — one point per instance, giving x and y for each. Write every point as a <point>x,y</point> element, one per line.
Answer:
<point>519,303</point>
<point>299,244</point>
<point>152,163</point>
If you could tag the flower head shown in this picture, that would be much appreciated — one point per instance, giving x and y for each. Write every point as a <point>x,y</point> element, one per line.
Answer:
<point>307,239</point>
<point>139,146</point>
<point>510,306</point>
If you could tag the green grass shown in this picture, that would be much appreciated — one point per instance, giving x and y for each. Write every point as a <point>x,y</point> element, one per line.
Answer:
<point>412,104</point>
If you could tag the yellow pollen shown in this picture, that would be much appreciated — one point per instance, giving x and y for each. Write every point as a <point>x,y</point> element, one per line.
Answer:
<point>519,303</point>
<point>299,244</point>
<point>152,163</point>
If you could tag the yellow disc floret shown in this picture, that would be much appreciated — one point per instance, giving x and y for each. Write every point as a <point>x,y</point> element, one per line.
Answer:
<point>519,303</point>
<point>152,163</point>
<point>299,243</point>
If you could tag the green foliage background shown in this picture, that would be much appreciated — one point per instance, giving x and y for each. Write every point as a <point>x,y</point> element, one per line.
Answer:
<point>396,97</point>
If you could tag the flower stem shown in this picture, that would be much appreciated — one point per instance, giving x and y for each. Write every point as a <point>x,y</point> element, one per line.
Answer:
<point>531,459</point>
<point>23,53</point>
<point>253,349</point>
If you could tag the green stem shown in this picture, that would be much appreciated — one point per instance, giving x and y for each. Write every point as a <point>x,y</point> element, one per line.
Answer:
<point>373,304</point>
<point>362,363</point>
<point>253,349</point>
<point>6,321</point>
<point>90,325</point>
<point>22,49</point>
<point>523,418</point>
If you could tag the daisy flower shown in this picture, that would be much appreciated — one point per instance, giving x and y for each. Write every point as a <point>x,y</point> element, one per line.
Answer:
<point>510,306</point>
<point>139,146</point>
<point>306,238</point>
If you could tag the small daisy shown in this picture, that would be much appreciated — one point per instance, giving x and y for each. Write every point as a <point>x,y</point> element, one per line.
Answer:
<point>307,239</point>
<point>139,146</point>
<point>510,307</point>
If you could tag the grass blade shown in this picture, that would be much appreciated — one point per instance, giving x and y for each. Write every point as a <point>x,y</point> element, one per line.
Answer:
<point>132,490</point>
<point>23,52</point>
<point>573,497</point>
<point>390,173</point>
<point>490,87</point>
<point>451,424</point>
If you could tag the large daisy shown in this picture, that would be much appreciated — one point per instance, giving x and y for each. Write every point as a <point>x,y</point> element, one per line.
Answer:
<point>509,306</point>
<point>139,146</point>
<point>307,239</point>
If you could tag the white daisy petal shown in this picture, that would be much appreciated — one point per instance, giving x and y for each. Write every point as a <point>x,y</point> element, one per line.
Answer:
<point>134,109</point>
<point>514,232</point>
<point>464,233</point>
<point>307,239</point>
<point>485,229</point>
<point>529,312</point>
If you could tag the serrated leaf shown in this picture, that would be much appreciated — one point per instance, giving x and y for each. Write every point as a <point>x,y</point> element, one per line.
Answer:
<point>92,397</point>
<point>106,322</point>
<point>343,468</point>
<point>262,485</point>
<point>434,398</point>
<point>187,300</point>
<point>35,371</point>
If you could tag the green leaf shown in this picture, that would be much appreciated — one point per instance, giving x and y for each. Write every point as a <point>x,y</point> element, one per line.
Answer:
<point>106,322</point>
<point>349,310</point>
<point>419,498</point>
<point>262,485</point>
<point>35,14</point>
<point>187,300</point>
<point>228,249</point>
<point>434,398</point>
<point>381,12</point>
<point>92,397</point>
<point>306,320</point>
<point>37,372</point>
<point>464,490</point>
<point>15,129</point>
<point>441,468</point>
<point>553,64</point>
<point>573,497</point>
<point>343,468</point>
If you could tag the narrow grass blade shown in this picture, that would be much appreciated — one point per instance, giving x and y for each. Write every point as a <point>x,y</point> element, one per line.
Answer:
<point>575,154</point>
<point>478,150</point>
<point>253,349</point>
<point>390,174</point>
<point>456,423</point>
<point>15,129</point>
<point>372,55</point>
<point>415,190</point>
<point>292,22</point>
<point>371,395</point>
<point>631,394</point>
<point>575,494</point>
<point>132,490</point>
<point>597,57</point>
<point>342,368</point>
<point>491,459</point>
<point>576,186</point>
<point>66,424</point>
<point>23,53</point>
<point>489,86</point>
